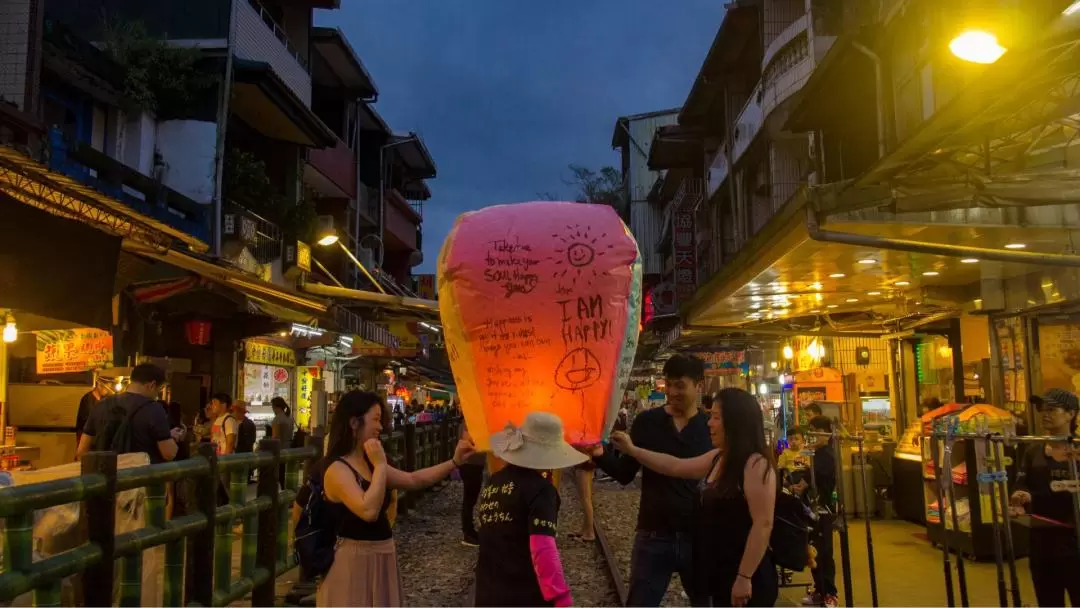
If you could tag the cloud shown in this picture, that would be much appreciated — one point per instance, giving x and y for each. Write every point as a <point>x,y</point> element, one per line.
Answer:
<point>506,94</point>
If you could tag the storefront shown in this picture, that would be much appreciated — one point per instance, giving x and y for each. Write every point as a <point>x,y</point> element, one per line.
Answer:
<point>268,370</point>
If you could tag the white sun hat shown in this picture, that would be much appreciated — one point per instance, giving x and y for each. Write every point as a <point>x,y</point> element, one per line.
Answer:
<point>536,444</point>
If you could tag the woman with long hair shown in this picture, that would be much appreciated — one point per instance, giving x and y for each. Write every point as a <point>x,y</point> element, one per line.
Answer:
<point>735,507</point>
<point>357,481</point>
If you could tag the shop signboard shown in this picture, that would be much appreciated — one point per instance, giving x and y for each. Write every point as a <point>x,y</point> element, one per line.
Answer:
<point>268,353</point>
<point>305,383</point>
<point>404,335</point>
<point>685,254</point>
<point>722,363</point>
<point>73,350</point>
<point>1059,356</point>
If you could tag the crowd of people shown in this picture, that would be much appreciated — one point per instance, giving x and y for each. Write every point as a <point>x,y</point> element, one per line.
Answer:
<point>710,484</point>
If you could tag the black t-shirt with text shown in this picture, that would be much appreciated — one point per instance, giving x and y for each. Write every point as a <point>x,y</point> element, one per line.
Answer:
<point>1048,480</point>
<point>149,425</point>
<point>516,503</point>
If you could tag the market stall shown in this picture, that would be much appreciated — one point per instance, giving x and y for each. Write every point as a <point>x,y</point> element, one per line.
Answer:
<point>268,370</point>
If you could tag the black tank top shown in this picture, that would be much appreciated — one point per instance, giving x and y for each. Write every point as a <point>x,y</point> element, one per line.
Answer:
<point>724,523</point>
<point>350,525</point>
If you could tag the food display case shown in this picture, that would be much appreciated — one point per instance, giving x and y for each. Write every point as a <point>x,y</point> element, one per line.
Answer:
<point>916,483</point>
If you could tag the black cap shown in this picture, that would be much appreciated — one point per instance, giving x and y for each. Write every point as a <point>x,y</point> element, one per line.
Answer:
<point>1057,397</point>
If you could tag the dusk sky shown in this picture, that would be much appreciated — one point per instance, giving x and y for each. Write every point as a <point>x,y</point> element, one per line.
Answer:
<point>507,93</point>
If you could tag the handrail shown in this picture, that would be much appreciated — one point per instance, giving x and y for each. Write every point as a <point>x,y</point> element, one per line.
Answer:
<point>266,544</point>
<point>278,32</point>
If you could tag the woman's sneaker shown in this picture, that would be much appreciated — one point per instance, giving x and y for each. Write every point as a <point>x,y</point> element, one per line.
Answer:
<point>812,599</point>
<point>831,601</point>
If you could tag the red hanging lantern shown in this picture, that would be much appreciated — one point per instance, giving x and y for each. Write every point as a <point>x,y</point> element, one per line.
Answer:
<point>197,332</point>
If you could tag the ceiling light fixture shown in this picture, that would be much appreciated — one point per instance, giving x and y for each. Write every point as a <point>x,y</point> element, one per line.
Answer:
<point>832,306</point>
<point>930,273</point>
<point>837,275</point>
<point>868,261</point>
<point>852,300</point>
<point>902,283</point>
<point>817,286</point>
<point>1016,246</point>
<point>969,261</point>
<point>873,293</point>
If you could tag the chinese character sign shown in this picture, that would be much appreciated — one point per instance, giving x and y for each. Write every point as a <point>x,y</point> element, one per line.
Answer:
<point>685,254</point>
<point>305,383</point>
<point>269,354</point>
<point>73,350</point>
<point>540,305</point>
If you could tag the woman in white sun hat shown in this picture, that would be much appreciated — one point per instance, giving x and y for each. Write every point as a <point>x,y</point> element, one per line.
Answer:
<point>519,564</point>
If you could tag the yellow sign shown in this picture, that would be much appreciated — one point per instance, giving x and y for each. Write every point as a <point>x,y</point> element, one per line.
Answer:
<point>404,331</point>
<point>305,383</point>
<point>268,353</point>
<point>303,256</point>
<point>73,350</point>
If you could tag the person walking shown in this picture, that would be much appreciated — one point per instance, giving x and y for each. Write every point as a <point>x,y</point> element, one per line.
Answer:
<point>282,428</point>
<point>87,405</point>
<point>357,481</point>
<point>245,432</point>
<point>472,477</point>
<point>734,515</point>
<point>663,541</point>
<point>519,563</point>
<point>1042,490</point>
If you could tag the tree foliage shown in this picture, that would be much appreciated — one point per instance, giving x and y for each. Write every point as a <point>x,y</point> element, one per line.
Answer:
<point>603,187</point>
<point>159,78</point>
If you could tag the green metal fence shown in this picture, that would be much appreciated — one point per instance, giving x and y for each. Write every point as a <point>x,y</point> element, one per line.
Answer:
<point>198,547</point>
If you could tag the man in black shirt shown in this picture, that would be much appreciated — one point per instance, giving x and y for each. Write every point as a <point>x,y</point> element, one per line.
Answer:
<point>87,404</point>
<point>663,544</point>
<point>149,426</point>
<point>245,430</point>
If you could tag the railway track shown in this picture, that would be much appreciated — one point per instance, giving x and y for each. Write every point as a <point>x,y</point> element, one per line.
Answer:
<point>591,569</point>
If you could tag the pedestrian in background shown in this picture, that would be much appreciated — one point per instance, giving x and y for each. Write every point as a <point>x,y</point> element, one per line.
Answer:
<point>734,515</point>
<point>819,494</point>
<point>283,427</point>
<point>245,432</point>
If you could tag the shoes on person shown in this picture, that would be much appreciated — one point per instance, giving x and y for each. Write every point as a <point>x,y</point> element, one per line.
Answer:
<point>831,601</point>
<point>812,599</point>
<point>470,540</point>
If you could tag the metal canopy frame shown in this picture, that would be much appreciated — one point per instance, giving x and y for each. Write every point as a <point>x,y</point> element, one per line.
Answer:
<point>978,151</point>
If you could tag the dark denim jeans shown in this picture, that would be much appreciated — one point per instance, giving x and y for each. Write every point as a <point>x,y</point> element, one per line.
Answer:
<point>655,557</point>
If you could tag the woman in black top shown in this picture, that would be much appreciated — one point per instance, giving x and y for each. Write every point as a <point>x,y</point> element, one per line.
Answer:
<point>737,498</point>
<point>358,481</point>
<point>1042,488</point>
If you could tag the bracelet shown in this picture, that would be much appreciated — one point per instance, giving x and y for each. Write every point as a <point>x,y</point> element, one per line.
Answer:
<point>744,576</point>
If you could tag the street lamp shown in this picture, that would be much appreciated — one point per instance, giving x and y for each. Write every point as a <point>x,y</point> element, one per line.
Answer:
<point>11,332</point>
<point>330,238</point>
<point>977,46</point>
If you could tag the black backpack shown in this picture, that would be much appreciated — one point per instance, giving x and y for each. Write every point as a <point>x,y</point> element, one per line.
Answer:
<point>316,532</point>
<point>116,433</point>
<point>790,538</point>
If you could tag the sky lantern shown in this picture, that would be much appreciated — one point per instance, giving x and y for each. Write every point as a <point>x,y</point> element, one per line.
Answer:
<point>540,305</point>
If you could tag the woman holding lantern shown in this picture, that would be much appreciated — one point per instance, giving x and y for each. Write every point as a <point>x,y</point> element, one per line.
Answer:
<point>519,564</point>
<point>357,481</point>
<point>737,499</point>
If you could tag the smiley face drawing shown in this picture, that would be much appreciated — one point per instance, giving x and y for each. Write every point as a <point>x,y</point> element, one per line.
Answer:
<point>580,249</point>
<point>578,370</point>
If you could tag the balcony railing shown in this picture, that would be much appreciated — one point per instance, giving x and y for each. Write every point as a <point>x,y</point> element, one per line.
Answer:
<point>142,193</point>
<point>260,38</point>
<point>262,237</point>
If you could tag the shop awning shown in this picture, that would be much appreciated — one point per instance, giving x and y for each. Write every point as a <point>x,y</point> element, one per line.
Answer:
<point>55,267</point>
<point>267,293</point>
<point>32,183</point>
<point>339,65</point>
<point>371,298</point>
<point>265,103</point>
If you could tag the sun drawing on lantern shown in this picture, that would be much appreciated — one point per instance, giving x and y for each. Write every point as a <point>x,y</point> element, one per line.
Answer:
<point>577,252</point>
